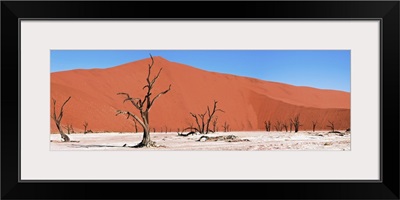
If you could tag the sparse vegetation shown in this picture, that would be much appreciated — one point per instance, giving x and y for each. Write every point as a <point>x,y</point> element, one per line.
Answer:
<point>69,128</point>
<point>57,119</point>
<point>331,126</point>
<point>267,126</point>
<point>226,127</point>
<point>85,125</point>
<point>228,138</point>
<point>314,123</point>
<point>203,125</point>
<point>296,123</point>
<point>135,124</point>
<point>144,106</point>
<point>278,126</point>
<point>187,134</point>
<point>214,123</point>
<point>285,126</point>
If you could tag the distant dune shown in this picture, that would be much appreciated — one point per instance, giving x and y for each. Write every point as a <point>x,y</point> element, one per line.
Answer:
<point>247,102</point>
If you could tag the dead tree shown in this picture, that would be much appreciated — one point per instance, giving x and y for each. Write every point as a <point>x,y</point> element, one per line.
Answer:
<point>314,123</point>
<point>69,128</point>
<point>144,106</point>
<point>85,125</point>
<point>291,125</point>
<point>278,126</point>
<point>200,125</point>
<point>191,126</point>
<point>267,126</point>
<point>187,134</point>
<point>203,125</point>
<point>332,126</point>
<point>215,124</point>
<point>135,124</point>
<point>285,126</point>
<point>226,127</point>
<point>211,114</point>
<point>57,119</point>
<point>72,129</point>
<point>296,123</point>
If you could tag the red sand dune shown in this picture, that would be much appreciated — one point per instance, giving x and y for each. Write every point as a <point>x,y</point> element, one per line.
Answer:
<point>247,102</point>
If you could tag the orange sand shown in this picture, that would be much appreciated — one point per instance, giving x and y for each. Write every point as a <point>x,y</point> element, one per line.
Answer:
<point>247,102</point>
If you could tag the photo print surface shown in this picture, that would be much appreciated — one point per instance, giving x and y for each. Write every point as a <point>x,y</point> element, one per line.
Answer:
<point>193,100</point>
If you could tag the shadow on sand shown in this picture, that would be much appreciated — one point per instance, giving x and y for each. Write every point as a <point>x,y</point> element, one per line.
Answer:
<point>96,146</point>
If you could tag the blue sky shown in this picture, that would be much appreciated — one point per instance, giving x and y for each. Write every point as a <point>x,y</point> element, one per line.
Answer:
<point>325,69</point>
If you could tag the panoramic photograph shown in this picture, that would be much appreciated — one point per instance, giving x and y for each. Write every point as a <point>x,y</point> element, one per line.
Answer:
<point>200,100</point>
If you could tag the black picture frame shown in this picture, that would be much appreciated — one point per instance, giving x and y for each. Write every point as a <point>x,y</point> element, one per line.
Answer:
<point>386,11</point>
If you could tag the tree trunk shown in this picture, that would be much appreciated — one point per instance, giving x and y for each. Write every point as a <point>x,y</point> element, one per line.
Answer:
<point>146,138</point>
<point>64,137</point>
<point>146,141</point>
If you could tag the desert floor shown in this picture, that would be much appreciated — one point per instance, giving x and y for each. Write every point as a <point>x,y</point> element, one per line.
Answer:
<point>257,140</point>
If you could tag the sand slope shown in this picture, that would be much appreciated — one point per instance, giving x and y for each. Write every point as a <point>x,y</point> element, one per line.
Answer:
<point>247,102</point>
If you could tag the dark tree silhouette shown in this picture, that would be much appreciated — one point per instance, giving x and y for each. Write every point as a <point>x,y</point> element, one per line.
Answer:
<point>314,123</point>
<point>135,124</point>
<point>203,125</point>
<point>296,123</point>
<point>144,106</point>
<point>291,125</point>
<point>200,125</point>
<point>285,126</point>
<point>190,126</point>
<point>278,126</point>
<point>57,119</point>
<point>332,126</point>
<point>85,125</point>
<point>214,123</point>
<point>69,128</point>
<point>226,127</point>
<point>267,126</point>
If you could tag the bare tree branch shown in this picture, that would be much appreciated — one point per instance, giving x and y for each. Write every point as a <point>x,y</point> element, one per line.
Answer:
<point>132,100</point>
<point>57,120</point>
<point>296,123</point>
<point>139,103</point>
<point>314,123</point>
<point>332,126</point>
<point>161,93</point>
<point>129,114</point>
<point>197,121</point>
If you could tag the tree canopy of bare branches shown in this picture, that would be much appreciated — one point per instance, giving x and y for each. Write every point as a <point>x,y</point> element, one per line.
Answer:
<point>57,119</point>
<point>203,124</point>
<point>214,123</point>
<point>144,105</point>
<point>226,127</point>
<point>267,126</point>
<point>69,128</point>
<point>296,123</point>
<point>285,126</point>
<point>85,125</point>
<point>278,126</point>
<point>314,123</point>
<point>331,125</point>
